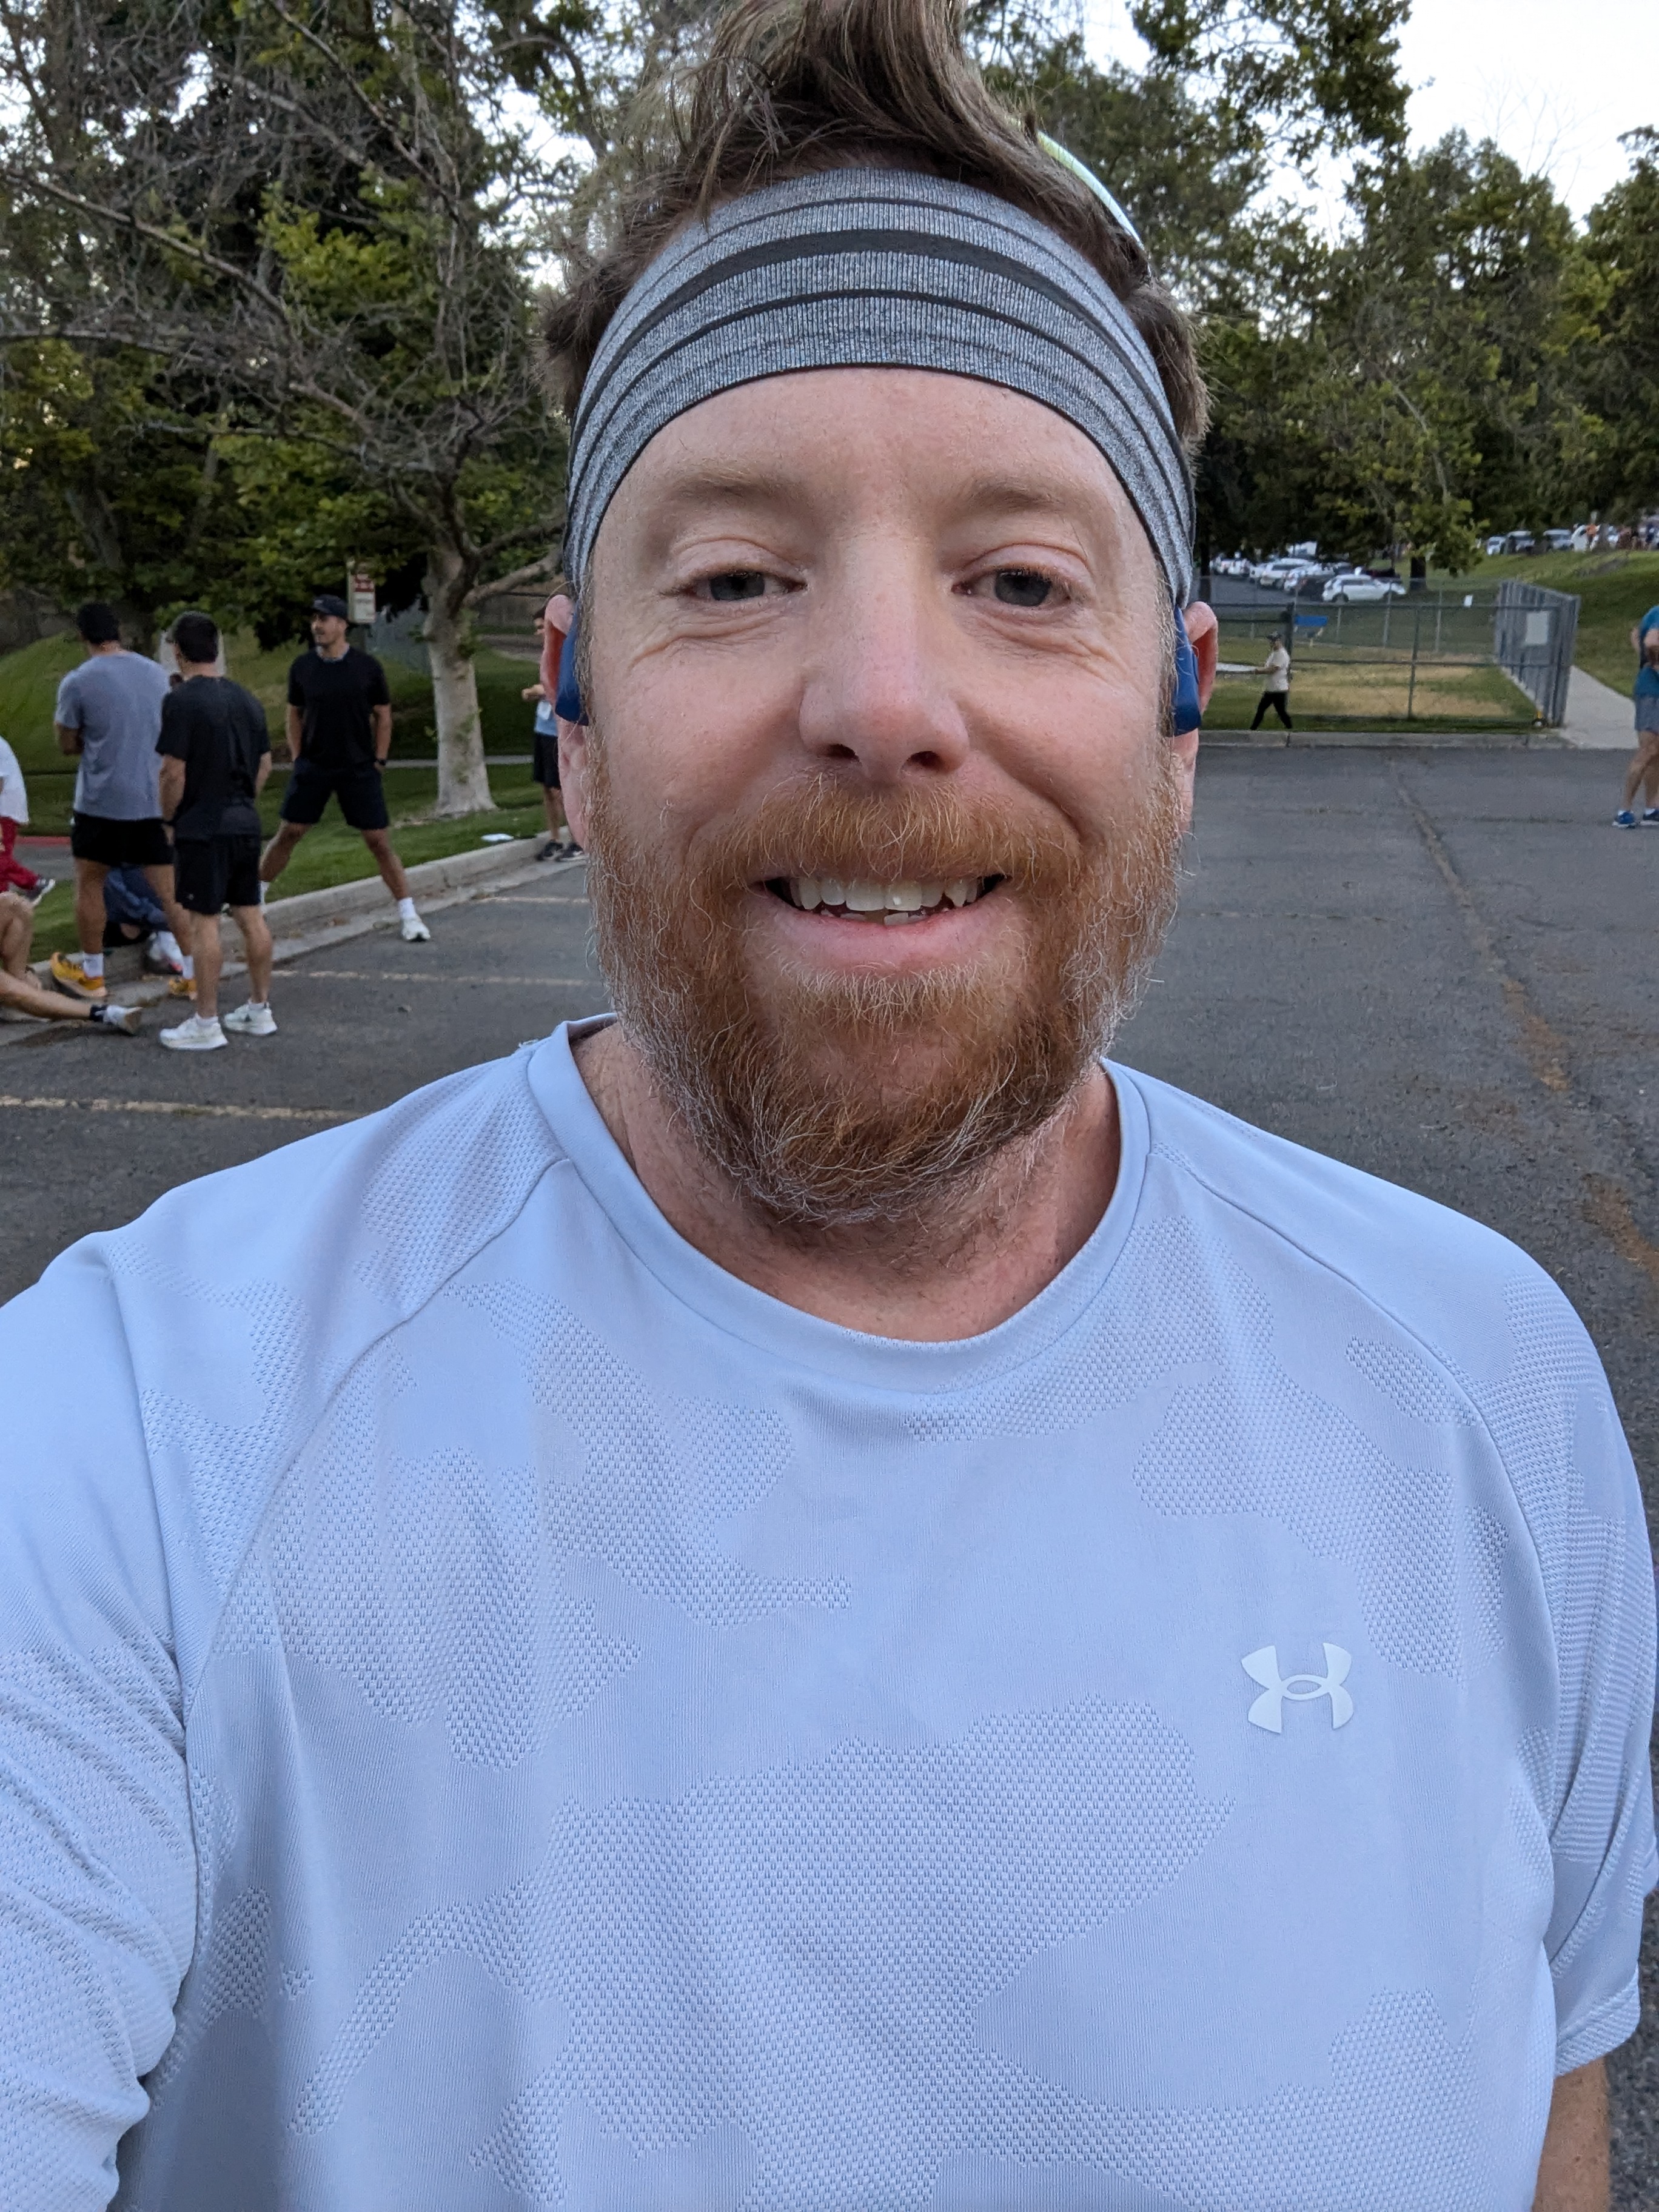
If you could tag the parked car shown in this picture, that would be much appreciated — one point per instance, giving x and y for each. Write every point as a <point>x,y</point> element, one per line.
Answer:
<point>1494,546</point>
<point>1558,541</point>
<point>1359,589</point>
<point>1519,541</point>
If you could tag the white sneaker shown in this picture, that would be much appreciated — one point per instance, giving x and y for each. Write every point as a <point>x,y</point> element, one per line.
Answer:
<point>415,930</point>
<point>251,1020</point>
<point>195,1036</point>
<point>123,1020</point>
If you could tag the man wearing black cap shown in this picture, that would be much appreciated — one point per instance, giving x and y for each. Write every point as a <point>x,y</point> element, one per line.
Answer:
<point>339,732</point>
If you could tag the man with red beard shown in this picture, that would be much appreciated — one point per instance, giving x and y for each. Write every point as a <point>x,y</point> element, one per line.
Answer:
<point>810,1596</point>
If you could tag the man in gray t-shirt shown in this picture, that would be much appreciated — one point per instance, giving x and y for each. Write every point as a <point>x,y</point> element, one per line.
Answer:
<point>109,713</point>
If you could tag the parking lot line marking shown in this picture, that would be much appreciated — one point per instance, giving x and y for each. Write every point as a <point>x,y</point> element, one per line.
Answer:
<point>181,1106</point>
<point>421,976</point>
<point>530,898</point>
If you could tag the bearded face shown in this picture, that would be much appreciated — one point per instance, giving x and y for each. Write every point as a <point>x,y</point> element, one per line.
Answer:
<point>835,1096</point>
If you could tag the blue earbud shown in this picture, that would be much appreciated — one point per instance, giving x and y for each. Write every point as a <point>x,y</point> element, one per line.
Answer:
<point>1185,712</point>
<point>568,700</point>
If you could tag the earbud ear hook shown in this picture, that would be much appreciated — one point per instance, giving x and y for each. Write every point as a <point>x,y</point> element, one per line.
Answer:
<point>568,700</point>
<point>1185,712</point>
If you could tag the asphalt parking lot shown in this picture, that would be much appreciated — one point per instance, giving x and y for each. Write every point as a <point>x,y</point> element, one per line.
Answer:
<point>1438,965</point>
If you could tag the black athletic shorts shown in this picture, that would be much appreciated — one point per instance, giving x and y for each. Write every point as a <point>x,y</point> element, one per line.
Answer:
<point>113,844</point>
<point>546,769</point>
<point>360,791</point>
<point>211,873</point>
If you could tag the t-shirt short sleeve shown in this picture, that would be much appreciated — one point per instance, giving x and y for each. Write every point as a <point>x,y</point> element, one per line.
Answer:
<point>174,740</point>
<point>376,690</point>
<point>296,690</point>
<point>68,712</point>
<point>1598,1581</point>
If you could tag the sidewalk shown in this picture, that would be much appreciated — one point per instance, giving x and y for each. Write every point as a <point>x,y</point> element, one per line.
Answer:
<point>1599,719</point>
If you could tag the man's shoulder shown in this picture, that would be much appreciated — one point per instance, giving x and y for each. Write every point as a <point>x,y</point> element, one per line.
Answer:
<point>1407,1255</point>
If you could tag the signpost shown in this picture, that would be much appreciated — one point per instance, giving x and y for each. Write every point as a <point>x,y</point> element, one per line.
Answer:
<point>360,595</point>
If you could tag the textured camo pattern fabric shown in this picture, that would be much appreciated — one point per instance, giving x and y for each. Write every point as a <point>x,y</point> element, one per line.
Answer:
<point>886,269</point>
<point>495,1713</point>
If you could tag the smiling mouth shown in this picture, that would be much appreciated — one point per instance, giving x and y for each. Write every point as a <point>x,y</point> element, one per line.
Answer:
<point>890,904</point>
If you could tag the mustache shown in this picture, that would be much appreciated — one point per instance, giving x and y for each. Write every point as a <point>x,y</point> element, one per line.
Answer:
<point>915,833</point>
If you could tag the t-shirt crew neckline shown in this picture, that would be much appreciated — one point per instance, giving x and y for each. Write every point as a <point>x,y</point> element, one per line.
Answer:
<point>784,1332</point>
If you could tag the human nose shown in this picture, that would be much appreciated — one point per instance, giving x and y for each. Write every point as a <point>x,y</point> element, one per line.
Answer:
<point>878,692</point>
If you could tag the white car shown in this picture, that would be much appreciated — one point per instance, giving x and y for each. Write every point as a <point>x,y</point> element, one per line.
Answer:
<point>1493,547</point>
<point>1364,591</point>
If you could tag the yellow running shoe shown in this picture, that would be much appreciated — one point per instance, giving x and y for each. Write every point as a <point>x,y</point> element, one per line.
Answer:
<point>69,973</point>
<point>181,986</point>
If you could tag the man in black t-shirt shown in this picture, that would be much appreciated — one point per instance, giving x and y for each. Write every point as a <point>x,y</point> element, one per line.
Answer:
<point>215,756</point>
<point>339,732</point>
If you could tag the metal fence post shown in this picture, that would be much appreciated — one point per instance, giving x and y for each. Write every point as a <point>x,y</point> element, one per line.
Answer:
<point>1411,688</point>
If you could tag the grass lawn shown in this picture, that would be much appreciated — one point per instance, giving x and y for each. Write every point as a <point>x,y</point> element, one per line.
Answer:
<point>1614,591</point>
<point>332,853</point>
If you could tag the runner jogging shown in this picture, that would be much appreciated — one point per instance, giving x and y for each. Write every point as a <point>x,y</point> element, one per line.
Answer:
<point>215,756</point>
<point>340,733</point>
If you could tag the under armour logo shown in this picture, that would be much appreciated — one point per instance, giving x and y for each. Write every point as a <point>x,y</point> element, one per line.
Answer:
<point>1268,1710</point>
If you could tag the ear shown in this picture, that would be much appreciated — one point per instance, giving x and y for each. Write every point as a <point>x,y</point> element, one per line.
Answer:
<point>560,614</point>
<point>1204,635</point>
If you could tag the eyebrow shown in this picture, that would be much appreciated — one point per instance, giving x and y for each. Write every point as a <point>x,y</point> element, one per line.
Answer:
<point>762,487</point>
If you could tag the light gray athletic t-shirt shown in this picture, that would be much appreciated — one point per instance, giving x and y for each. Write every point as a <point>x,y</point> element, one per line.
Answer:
<point>114,700</point>
<point>496,1713</point>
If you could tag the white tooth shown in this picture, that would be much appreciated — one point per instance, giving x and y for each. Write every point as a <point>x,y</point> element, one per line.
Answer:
<point>959,893</point>
<point>932,894</point>
<point>866,898</point>
<point>904,898</point>
<point>832,893</point>
<point>807,893</point>
<point>902,917</point>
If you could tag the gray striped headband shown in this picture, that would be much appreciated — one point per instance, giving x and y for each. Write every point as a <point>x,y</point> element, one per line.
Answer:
<point>886,269</point>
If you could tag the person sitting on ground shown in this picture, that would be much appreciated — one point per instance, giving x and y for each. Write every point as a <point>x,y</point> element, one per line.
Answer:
<point>561,845</point>
<point>215,756</point>
<point>1275,684</point>
<point>14,816</point>
<point>109,712</point>
<point>339,737</point>
<point>20,996</point>
<point>1643,774</point>
<point>132,915</point>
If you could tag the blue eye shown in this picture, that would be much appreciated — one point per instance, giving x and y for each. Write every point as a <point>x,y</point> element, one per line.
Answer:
<point>1023,587</point>
<point>738,584</point>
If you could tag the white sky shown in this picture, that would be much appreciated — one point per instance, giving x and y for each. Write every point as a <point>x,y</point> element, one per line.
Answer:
<point>1554,85</point>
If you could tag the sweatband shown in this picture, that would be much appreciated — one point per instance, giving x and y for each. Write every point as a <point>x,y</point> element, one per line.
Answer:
<point>878,268</point>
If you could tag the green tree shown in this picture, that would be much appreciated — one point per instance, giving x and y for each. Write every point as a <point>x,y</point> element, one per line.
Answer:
<point>321,216</point>
<point>1619,356</point>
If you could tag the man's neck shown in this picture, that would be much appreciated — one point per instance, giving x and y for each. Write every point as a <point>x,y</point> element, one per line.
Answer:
<point>106,645</point>
<point>930,1280</point>
<point>339,653</point>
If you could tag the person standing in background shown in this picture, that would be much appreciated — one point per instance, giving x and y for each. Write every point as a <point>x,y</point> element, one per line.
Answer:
<point>1275,684</point>
<point>109,714</point>
<point>561,845</point>
<point>13,814</point>
<point>340,733</point>
<point>215,756</point>
<point>1643,772</point>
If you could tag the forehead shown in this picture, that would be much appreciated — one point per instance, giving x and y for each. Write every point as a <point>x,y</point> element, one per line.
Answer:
<point>838,443</point>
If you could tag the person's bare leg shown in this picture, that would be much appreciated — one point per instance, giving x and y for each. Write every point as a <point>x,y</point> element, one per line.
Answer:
<point>89,904</point>
<point>179,918</point>
<point>256,943</point>
<point>379,842</point>
<point>280,851</point>
<point>25,997</point>
<point>17,933</point>
<point>553,808</point>
<point>209,954</point>
<point>1650,777</point>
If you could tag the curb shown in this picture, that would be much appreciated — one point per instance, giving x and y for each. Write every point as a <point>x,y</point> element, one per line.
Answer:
<point>1384,740</point>
<point>334,915</point>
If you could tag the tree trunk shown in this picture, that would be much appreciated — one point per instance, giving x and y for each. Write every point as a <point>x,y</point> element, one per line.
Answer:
<point>463,778</point>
